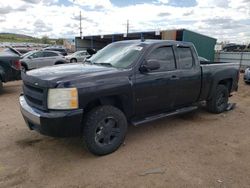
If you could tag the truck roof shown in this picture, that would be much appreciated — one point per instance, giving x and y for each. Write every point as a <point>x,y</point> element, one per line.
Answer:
<point>154,41</point>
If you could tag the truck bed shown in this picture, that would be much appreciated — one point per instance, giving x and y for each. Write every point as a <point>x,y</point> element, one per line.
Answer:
<point>212,72</point>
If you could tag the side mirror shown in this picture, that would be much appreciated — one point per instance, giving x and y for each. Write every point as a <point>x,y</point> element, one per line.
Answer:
<point>91,51</point>
<point>150,65</point>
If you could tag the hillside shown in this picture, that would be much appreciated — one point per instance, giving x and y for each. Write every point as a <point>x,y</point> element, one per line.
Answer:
<point>11,37</point>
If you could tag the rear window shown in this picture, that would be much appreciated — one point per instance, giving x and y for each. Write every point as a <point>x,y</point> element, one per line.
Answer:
<point>49,54</point>
<point>56,49</point>
<point>185,57</point>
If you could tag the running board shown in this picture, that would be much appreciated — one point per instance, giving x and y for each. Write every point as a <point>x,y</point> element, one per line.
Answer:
<point>163,115</point>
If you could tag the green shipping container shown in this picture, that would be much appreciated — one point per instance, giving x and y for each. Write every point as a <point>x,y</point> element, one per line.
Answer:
<point>204,44</point>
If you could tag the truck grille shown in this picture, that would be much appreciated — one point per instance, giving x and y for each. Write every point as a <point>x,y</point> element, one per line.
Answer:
<point>35,96</point>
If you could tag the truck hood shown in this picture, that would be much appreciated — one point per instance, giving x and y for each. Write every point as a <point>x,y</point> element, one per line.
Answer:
<point>69,73</point>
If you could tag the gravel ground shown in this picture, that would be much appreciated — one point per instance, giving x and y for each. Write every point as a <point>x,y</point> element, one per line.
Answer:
<point>195,150</point>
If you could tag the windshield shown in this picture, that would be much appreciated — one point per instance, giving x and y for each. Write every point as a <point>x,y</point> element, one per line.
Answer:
<point>27,54</point>
<point>119,55</point>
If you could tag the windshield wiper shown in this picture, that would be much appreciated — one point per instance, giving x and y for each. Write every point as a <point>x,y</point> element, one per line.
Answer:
<point>104,64</point>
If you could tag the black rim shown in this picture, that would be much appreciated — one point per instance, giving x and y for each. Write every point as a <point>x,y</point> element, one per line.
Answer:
<point>107,131</point>
<point>221,100</point>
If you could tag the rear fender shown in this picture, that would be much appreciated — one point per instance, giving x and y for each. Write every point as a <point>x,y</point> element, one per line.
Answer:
<point>226,78</point>
<point>2,74</point>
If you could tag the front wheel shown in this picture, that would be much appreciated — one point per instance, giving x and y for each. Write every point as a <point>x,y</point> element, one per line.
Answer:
<point>104,129</point>
<point>219,101</point>
<point>1,85</point>
<point>24,68</point>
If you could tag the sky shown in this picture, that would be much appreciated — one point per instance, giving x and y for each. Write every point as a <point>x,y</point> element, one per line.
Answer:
<point>226,20</point>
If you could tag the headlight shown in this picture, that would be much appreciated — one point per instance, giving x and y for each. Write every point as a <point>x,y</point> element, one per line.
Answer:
<point>63,98</point>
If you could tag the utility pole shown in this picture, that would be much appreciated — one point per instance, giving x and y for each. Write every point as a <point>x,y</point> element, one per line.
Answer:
<point>127,27</point>
<point>80,24</point>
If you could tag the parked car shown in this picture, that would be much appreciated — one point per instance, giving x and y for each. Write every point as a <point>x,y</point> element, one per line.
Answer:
<point>38,59</point>
<point>127,81</point>
<point>247,75</point>
<point>63,51</point>
<point>10,66</point>
<point>78,56</point>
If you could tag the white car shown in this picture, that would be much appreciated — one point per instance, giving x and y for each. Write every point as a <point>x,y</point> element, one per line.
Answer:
<point>247,76</point>
<point>78,56</point>
<point>38,59</point>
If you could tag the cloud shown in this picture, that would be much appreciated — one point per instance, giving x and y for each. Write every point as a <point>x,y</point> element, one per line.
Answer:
<point>46,2</point>
<point>8,9</point>
<point>93,3</point>
<point>163,14</point>
<point>222,19</point>
<point>188,13</point>
<point>179,3</point>
<point>32,1</point>
<point>5,10</point>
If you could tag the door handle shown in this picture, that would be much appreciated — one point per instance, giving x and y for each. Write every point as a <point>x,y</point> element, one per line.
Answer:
<point>174,77</point>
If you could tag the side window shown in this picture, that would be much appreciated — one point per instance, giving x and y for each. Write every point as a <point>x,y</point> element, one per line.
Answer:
<point>37,54</point>
<point>185,57</point>
<point>49,54</point>
<point>83,54</point>
<point>165,56</point>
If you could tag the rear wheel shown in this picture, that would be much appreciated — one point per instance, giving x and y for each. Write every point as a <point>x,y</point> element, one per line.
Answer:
<point>219,101</point>
<point>73,61</point>
<point>104,129</point>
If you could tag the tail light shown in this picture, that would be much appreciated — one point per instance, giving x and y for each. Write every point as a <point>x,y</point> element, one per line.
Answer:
<point>16,65</point>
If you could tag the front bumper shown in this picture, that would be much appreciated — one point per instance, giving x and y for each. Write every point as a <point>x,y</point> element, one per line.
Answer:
<point>247,79</point>
<point>65,123</point>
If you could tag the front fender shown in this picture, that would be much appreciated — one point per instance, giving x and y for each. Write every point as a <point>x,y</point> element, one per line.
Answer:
<point>2,74</point>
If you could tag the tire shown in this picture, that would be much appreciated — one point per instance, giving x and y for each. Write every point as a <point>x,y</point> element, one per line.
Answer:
<point>104,129</point>
<point>219,101</point>
<point>59,63</point>
<point>24,68</point>
<point>73,61</point>
<point>1,85</point>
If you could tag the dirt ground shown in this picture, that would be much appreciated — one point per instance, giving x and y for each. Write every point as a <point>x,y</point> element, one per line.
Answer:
<point>195,150</point>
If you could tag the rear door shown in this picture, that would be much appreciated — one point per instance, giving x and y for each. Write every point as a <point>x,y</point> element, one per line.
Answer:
<point>155,90</point>
<point>49,58</point>
<point>188,76</point>
<point>35,60</point>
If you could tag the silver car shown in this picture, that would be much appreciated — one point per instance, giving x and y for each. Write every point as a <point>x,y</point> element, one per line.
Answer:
<point>38,59</point>
<point>247,75</point>
<point>78,56</point>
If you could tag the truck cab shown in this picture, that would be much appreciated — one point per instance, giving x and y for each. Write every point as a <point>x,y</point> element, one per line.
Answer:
<point>128,82</point>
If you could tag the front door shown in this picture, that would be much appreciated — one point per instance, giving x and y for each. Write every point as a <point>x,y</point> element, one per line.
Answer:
<point>155,90</point>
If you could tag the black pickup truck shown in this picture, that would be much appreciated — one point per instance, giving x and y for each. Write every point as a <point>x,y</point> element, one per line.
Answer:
<point>125,82</point>
<point>10,66</point>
